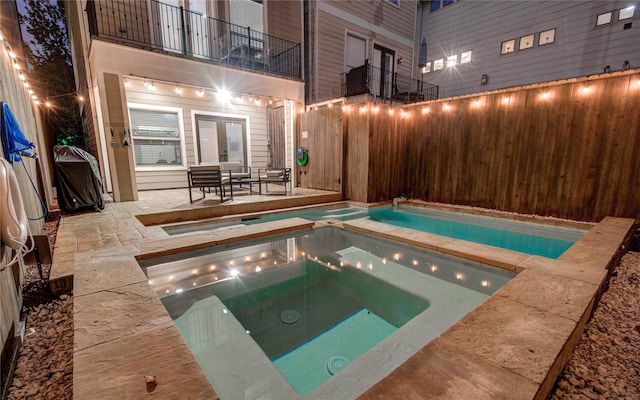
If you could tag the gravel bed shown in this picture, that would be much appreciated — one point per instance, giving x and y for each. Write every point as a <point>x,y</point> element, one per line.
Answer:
<point>604,365</point>
<point>606,361</point>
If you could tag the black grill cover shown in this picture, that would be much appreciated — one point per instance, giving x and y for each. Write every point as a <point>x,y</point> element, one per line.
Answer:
<point>79,182</point>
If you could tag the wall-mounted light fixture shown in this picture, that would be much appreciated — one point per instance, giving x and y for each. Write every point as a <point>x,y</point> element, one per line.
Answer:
<point>607,69</point>
<point>626,65</point>
<point>400,60</point>
<point>484,79</point>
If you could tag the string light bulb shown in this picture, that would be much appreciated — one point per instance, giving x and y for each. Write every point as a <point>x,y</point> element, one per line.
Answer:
<point>178,89</point>
<point>12,54</point>
<point>126,83</point>
<point>201,92</point>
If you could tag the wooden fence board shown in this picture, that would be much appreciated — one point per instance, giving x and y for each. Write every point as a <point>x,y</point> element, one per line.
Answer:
<point>573,155</point>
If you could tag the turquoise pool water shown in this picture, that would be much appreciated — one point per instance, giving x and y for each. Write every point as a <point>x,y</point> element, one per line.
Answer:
<point>525,237</point>
<point>268,318</point>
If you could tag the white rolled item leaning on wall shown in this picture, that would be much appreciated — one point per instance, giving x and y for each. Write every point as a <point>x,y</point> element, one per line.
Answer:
<point>14,227</point>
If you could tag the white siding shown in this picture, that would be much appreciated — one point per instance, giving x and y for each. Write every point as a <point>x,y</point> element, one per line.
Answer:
<point>580,48</point>
<point>190,103</point>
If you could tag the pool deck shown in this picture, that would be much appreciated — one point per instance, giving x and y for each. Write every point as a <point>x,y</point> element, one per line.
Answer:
<point>513,346</point>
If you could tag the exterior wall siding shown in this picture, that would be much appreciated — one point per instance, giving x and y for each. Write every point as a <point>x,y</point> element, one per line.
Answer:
<point>284,19</point>
<point>192,75</point>
<point>580,47</point>
<point>27,115</point>
<point>380,22</point>
<point>165,96</point>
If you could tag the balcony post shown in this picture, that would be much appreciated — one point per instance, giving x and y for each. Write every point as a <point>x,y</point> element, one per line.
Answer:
<point>249,43</point>
<point>184,31</point>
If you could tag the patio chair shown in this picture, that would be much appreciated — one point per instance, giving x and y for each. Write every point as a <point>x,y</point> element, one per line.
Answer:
<point>275,175</point>
<point>209,176</point>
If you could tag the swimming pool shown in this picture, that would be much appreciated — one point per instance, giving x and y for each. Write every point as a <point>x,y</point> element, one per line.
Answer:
<point>534,238</point>
<point>251,312</point>
<point>526,237</point>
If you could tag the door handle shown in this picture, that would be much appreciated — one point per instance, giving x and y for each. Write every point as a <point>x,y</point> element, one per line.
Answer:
<point>337,180</point>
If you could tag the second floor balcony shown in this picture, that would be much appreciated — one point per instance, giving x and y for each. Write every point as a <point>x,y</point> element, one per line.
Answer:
<point>367,79</point>
<point>158,26</point>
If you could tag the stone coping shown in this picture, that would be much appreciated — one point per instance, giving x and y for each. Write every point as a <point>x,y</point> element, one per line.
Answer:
<point>513,345</point>
<point>196,214</point>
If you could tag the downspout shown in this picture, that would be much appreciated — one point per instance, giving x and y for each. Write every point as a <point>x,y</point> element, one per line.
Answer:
<point>417,31</point>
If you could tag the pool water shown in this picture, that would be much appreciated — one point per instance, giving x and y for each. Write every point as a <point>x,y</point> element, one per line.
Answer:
<point>285,316</point>
<point>536,239</point>
<point>339,212</point>
<point>282,316</point>
<point>525,237</point>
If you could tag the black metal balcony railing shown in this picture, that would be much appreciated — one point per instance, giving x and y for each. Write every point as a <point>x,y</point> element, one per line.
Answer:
<point>158,26</point>
<point>367,79</point>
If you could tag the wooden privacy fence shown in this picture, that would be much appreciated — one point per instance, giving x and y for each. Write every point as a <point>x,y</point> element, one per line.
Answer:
<point>568,149</point>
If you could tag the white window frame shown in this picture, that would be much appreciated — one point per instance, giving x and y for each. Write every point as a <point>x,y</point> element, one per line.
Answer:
<point>604,18</point>
<point>629,13</point>
<point>465,57</point>
<point>526,42</point>
<point>183,149</point>
<point>549,34</point>
<point>356,35</point>
<point>438,64</point>
<point>508,46</point>
<point>427,68</point>
<point>452,61</point>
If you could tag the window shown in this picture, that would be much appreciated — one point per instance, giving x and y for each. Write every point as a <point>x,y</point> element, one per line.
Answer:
<point>156,137</point>
<point>438,64</point>
<point>547,37</point>
<point>465,57</point>
<point>603,19</point>
<point>426,68</point>
<point>626,13</point>
<point>451,61</point>
<point>526,42</point>
<point>356,50</point>
<point>435,4</point>
<point>394,2</point>
<point>508,46</point>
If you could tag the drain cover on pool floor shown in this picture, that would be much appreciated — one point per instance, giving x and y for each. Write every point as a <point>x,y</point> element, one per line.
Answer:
<point>336,363</point>
<point>290,316</point>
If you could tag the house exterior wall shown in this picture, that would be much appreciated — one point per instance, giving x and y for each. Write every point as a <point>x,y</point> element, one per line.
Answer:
<point>190,105</point>
<point>580,47</point>
<point>131,62</point>
<point>101,58</point>
<point>13,92</point>
<point>284,19</point>
<point>379,22</point>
